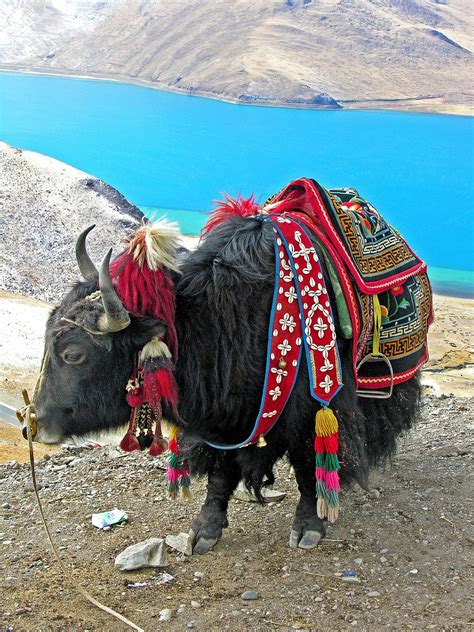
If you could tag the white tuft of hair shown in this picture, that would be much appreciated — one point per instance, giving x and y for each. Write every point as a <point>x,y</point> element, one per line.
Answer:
<point>154,348</point>
<point>162,241</point>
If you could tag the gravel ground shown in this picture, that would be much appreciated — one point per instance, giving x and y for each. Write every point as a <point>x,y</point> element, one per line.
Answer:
<point>407,541</point>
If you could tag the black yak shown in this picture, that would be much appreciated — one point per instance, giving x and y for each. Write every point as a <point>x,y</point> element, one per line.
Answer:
<point>224,295</point>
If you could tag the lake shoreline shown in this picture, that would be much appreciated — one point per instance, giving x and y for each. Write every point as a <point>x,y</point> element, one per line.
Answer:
<point>412,105</point>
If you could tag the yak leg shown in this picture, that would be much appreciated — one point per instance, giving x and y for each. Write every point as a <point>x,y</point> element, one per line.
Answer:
<point>206,528</point>
<point>308,528</point>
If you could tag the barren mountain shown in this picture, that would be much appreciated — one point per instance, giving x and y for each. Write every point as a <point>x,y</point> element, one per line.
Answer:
<point>44,205</point>
<point>351,53</point>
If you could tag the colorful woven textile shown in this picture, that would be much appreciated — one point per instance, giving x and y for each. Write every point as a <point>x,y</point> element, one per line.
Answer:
<point>371,258</point>
<point>369,264</point>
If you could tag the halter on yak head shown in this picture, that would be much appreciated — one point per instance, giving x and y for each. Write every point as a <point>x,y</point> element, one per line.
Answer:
<point>134,293</point>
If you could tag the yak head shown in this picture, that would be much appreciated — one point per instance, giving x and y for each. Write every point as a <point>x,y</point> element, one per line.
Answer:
<point>91,343</point>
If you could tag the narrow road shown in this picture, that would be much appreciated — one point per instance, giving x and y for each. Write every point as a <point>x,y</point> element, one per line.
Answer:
<point>7,413</point>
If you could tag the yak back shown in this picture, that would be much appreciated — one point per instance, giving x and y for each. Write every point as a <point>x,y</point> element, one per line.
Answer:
<point>223,303</point>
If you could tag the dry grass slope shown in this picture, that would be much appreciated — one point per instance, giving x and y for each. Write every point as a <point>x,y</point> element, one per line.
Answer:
<point>358,53</point>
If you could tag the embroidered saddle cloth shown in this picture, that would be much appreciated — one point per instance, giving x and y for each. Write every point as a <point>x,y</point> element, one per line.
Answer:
<point>370,259</point>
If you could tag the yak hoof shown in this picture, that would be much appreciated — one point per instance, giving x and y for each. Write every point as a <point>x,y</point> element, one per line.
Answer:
<point>203,545</point>
<point>309,540</point>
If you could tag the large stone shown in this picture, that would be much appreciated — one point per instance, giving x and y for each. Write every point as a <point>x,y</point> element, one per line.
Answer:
<point>149,553</point>
<point>182,542</point>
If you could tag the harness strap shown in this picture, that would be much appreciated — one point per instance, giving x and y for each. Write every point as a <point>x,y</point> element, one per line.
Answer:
<point>300,326</point>
<point>377,326</point>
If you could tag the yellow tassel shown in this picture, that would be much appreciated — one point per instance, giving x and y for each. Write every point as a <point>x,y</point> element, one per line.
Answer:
<point>186,493</point>
<point>322,508</point>
<point>326,422</point>
<point>172,430</point>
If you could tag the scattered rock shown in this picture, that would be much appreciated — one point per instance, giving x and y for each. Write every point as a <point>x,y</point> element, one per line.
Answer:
<point>149,553</point>
<point>449,450</point>
<point>29,487</point>
<point>182,542</point>
<point>373,593</point>
<point>196,604</point>
<point>162,578</point>
<point>165,614</point>
<point>249,595</point>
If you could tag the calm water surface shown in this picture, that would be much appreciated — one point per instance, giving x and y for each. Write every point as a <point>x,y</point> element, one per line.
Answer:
<point>170,151</point>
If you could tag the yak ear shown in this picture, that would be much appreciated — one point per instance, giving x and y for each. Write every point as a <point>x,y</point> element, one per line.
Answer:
<point>142,330</point>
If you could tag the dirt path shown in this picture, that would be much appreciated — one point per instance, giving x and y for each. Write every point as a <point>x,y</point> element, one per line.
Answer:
<point>408,543</point>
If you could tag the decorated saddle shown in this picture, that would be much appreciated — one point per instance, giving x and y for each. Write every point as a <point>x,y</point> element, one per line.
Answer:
<point>385,301</point>
<point>382,298</point>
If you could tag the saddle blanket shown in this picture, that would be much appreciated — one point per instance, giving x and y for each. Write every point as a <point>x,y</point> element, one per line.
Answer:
<point>370,258</point>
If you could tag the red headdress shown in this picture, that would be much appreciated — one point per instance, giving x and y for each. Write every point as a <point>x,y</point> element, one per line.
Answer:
<point>144,284</point>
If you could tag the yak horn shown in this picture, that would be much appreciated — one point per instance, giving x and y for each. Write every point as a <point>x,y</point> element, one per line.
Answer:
<point>87,268</point>
<point>116,316</point>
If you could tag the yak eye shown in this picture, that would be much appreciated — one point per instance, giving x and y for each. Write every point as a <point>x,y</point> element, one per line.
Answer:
<point>73,356</point>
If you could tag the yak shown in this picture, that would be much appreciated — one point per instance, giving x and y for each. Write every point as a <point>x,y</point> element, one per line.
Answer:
<point>223,292</point>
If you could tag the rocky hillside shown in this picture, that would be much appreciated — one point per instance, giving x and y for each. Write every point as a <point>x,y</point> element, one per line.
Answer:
<point>347,53</point>
<point>44,205</point>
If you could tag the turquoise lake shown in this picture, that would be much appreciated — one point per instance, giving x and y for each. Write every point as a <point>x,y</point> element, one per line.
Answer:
<point>178,153</point>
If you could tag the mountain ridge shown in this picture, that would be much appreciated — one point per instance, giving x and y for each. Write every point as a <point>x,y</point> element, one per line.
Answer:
<point>410,54</point>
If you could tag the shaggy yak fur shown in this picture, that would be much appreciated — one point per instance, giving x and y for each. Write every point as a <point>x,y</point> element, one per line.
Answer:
<point>224,296</point>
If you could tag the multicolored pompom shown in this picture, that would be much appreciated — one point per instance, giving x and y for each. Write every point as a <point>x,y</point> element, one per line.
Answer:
<point>326,445</point>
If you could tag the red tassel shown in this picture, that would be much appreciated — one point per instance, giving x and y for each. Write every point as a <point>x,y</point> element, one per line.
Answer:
<point>157,447</point>
<point>173,446</point>
<point>229,207</point>
<point>146,292</point>
<point>159,385</point>
<point>331,443</point>
<point>129,443</point>
<point>318,444</point>
<point>135,398</point>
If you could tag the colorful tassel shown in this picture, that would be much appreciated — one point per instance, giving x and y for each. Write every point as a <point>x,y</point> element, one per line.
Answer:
<point>326,444</point>
<point>129,443</point>
<point>177,471</point>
